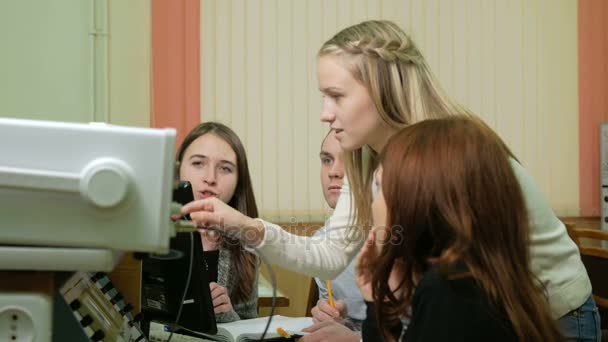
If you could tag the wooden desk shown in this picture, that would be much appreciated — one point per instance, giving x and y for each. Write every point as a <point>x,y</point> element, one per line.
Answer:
<point>591,222</point>
<point>265,294</point>
<point>583,221</point>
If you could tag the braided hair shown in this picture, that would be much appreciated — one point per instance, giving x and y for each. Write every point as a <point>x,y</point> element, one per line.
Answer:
<point>384,59</point>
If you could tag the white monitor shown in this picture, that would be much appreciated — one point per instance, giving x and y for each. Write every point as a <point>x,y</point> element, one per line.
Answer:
<point>88,188</point>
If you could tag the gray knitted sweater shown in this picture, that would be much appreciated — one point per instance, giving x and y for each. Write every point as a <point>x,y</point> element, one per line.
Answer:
<point>228,278</point>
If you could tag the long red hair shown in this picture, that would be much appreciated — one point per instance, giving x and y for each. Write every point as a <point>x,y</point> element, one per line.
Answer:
<point>452,197</point>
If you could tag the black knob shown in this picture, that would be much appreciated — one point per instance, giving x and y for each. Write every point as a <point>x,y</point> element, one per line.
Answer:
<point>117,298</point>
<point>126,309</point>
<point>86,321</point>
<point>75,305</point>
<point>107,287</point>
<point>98,336</point>
<point>97,276</point>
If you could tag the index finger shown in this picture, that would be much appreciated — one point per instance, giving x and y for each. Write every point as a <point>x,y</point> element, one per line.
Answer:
<point>205,204</point>
<point>324,306</point>
<point>218,291</point>
<point>204,219</point>
<point>339,305</point>
<point>370,247</point>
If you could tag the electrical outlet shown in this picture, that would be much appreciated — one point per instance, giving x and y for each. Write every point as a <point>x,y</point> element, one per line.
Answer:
<point>16,325</point>
<point>25,317</point>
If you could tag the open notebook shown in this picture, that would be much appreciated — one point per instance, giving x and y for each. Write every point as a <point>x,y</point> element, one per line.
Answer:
<point>238,331</point>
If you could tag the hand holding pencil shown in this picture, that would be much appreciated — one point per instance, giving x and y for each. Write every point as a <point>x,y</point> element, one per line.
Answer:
<point>330,309</point>
<point>324,312</point>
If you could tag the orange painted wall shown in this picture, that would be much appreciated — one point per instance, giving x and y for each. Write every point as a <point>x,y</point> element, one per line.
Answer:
<point>175,65</point>
<point>593,97</point>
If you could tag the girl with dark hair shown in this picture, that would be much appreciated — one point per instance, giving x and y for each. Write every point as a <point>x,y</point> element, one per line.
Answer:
<point>212,158</point>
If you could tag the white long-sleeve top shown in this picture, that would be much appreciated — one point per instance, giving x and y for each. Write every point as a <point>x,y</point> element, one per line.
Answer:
<point>324,255</point>
<point>555,258</point>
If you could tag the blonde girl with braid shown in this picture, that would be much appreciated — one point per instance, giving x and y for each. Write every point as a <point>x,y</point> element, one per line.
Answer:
<point>374,82</point>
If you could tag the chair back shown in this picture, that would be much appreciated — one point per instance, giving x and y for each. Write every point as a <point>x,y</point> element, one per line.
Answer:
<point>595,259</point>
<point>313,297</point>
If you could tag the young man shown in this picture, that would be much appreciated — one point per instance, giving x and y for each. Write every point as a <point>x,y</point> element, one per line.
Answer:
<point>349,307</point>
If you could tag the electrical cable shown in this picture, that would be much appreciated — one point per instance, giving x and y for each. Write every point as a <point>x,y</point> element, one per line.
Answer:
<point>181,305</point>
<point>273,281</point>
<point>274,291</point>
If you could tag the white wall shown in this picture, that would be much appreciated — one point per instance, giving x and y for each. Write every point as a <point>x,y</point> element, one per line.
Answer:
<point>514,62</point>
<point>74,60</point>
<point>129,55</point>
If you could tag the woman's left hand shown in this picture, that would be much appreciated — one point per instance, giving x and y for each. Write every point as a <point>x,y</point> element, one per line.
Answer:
<point>221,300</point>
<point>364,267</point>
<point>369,254</point>
<point>329,331</point>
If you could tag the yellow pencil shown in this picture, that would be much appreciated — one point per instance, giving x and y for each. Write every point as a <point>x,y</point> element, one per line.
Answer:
<point>329,295</point>
<point>283,333</point>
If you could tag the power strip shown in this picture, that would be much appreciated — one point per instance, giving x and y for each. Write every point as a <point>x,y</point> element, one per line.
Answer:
<point>25,317</point>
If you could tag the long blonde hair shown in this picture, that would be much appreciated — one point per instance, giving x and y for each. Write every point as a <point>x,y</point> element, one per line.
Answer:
<point>384,59</point>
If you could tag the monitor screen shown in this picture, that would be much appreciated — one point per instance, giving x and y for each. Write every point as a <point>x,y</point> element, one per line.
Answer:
<point>163,282</point>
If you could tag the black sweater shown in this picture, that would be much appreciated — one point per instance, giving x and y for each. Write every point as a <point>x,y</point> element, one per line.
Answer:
<point>448,310</point>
